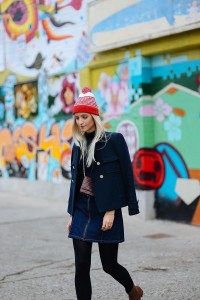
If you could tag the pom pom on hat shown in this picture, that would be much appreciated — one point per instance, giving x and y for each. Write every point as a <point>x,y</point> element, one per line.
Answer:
<point>86,103</point>
<point>86,89</point>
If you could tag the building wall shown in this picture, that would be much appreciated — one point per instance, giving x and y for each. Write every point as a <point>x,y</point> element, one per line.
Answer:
<point>154,100</point>
<point>43,45</point>
<point>113,24</point>
<point>149,91</point>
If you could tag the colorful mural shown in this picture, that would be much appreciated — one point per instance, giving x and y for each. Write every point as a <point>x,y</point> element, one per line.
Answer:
<point>113,92</point>
<point>27,150</point>
<point>154,101</point>
<point>134,21</point>
<point>35,142</point>
<point>160,128</point>
<point>26,100</point>
<point>62,92</point>
<point>43,35</point>
<point>2,54</point>
<point>43,45</point>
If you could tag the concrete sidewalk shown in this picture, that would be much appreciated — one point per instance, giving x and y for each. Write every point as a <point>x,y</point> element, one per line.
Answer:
<point>37,257</point>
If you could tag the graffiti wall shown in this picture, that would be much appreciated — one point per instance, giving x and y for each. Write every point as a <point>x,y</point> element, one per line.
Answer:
<point>49,35</point>
<point>133,21</point>
<point>35,136</point>
<point>155,103</point>
<point>33,153</point>
<point>43,45</point>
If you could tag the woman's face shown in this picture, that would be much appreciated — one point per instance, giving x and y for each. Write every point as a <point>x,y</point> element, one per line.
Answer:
<point>85,122</point>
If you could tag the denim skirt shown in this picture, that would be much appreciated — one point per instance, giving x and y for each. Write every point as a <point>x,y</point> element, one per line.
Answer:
<point>87,222</point>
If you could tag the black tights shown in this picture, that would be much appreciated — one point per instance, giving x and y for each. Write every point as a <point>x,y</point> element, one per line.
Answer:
<point>108,254</point>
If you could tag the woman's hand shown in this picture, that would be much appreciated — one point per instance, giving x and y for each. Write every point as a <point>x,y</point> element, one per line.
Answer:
<point>108,220</point>
<point>69,224</point>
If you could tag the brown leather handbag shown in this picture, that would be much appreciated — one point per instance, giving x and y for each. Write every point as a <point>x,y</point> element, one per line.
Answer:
<point>86,186</point>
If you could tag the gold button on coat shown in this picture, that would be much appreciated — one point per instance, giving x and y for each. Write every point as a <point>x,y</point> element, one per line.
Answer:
<point>101,176</point>
<point>98,163</point>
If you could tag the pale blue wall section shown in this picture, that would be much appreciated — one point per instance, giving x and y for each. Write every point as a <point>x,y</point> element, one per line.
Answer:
<point>145,11</point>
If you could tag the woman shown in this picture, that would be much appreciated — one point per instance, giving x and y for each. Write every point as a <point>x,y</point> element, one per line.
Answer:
<point>101,184</point>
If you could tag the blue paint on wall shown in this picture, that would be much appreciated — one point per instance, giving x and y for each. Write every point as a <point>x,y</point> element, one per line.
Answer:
<point>175,168</point>
<point>144,71</point>
<point>145,11</point>
<point>176,70</point>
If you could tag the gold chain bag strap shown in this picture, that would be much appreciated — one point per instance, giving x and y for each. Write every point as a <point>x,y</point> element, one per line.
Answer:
<point>86,186</point>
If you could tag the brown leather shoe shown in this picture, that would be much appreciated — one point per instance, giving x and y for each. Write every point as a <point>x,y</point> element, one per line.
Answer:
<point>136,293</point>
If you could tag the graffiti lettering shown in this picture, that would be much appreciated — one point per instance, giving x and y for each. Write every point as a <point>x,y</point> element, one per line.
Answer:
<point>25,141</point>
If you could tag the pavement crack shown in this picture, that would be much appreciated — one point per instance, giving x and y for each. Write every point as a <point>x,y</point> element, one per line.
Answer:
<point>35,277</point>
<point>153,269</point>
<point>2,280</point>
<point>65,267</point>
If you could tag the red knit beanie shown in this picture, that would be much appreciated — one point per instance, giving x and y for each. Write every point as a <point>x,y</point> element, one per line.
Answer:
<point>86,103</point>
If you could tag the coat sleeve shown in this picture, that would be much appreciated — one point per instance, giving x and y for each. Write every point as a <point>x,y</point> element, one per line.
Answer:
<point>69,203</point>
<point>121,149</point>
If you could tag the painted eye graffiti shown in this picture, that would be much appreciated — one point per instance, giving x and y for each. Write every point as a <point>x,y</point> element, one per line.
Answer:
<point>148,169</point>
<point>17,11</point>
<point>20,17</point>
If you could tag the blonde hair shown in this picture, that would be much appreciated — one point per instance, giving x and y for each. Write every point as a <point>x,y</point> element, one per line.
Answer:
<point>80,140</point>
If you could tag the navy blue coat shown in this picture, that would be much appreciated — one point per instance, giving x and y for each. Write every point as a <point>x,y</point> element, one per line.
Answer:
<point>112,175</point>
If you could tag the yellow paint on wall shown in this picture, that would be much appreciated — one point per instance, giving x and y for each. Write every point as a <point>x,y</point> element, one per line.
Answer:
<point>85,77</point>
<point>95,74</point>
<point>195,54</point>
<point>4,75</point>
<point>191,54</point>
<point>185,43</point>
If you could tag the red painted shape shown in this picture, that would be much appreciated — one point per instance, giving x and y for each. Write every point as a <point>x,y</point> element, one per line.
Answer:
<point>76,4</point>
<point>198,80</point>
<point>148,169</point>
